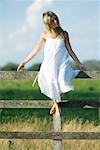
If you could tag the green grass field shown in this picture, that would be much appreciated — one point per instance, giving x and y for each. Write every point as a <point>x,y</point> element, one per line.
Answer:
<point>21,89</point>
<point>73,119</point>
<point>84,89</point>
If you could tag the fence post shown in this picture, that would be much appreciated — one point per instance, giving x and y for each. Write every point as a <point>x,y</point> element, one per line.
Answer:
<point>57,128</point>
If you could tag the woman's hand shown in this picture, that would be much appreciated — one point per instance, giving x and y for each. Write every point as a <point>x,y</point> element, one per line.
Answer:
<point>82,68</point>
<point>20,67</point>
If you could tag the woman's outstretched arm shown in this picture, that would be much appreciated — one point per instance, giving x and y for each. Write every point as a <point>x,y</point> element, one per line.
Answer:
<point>33,53</point>
<point>71,52</point>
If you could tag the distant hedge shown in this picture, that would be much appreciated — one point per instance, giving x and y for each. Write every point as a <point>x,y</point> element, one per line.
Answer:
<point>90,65</point>
<point>9,66</point>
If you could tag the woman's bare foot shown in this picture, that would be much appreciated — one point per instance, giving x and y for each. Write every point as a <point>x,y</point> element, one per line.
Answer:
<point>55,108</point>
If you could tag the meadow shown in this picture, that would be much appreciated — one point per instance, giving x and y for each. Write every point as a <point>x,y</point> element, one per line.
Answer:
<point>73,119</point>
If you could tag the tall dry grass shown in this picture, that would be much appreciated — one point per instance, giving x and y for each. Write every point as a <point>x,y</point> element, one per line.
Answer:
<point>36,124</point>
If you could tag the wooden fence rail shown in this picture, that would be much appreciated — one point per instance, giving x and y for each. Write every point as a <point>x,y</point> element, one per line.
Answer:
<point>51,135</point>
<point>57,135</point>
<point>47,104</point>
<point>10,75</point>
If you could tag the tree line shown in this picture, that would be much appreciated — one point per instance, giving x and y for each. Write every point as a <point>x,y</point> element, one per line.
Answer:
<point>90,65</point>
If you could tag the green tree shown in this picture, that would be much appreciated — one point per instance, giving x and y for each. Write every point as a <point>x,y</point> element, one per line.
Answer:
<point>9,67</point>
<point>35,67</point>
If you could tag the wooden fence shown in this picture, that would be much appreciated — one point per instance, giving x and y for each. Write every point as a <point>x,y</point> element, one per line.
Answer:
<point>57,135</point>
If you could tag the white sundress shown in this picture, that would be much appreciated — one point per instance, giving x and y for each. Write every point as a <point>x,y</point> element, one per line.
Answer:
<point>56,72</point>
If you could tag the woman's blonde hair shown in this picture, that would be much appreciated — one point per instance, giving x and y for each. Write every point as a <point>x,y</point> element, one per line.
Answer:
<point>48,18</point>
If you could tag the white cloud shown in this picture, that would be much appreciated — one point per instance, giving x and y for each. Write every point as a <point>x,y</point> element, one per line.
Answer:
<point>21,39</point>
<point>32,19</point>
<point>22,31</point>
<point>32,13</point>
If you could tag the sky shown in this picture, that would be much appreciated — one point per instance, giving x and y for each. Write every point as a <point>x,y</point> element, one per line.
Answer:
<point>21,26</point>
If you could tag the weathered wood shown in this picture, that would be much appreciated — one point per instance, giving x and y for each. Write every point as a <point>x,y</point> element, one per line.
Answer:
<point>9,75</point>
<point>51,135</point>
<point>57,128</point>
<point>25,104</point>
<point>80,104</point>
<point>48,103</point>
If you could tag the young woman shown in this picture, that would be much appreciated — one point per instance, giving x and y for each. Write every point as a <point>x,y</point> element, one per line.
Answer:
<point>55,74</point>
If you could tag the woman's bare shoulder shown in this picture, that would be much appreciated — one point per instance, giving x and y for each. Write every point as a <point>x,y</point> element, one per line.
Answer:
<point>44,35</point>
